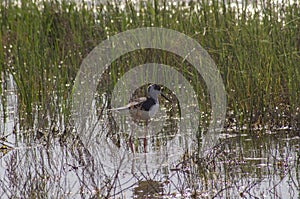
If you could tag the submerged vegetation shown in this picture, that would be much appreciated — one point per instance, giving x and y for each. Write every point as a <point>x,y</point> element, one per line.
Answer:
<point>256,47</point>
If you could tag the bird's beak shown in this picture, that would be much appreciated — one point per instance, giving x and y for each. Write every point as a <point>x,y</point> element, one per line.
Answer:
<point>165,97</point>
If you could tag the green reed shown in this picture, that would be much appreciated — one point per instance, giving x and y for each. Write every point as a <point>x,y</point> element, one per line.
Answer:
<point>43,45</point>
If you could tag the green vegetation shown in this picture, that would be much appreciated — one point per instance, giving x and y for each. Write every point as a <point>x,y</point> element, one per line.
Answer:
<point>42,46</point>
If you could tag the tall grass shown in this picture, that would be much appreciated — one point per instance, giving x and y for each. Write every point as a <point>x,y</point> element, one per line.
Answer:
<point>258,53</point>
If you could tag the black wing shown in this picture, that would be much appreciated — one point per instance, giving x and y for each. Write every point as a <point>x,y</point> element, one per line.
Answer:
<point>146,105</point>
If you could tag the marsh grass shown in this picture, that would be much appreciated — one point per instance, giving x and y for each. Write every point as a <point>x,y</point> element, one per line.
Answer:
<point>43,44</point>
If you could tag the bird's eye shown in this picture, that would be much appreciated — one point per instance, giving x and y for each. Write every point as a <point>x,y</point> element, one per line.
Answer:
<point>157,87</point>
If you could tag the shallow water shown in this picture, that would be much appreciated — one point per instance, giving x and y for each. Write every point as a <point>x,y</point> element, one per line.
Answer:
<point>264,167</point>
<point>114,158</point>
<point>162,164</point>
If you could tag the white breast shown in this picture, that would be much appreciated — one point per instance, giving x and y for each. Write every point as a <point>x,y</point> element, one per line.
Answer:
<point>144,115</point>
<point>153,110</point>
